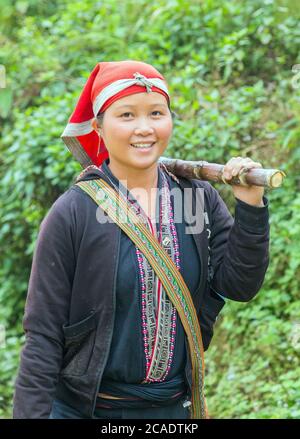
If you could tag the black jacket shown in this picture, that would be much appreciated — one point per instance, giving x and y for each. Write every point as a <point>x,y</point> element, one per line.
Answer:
<point>70,306</point>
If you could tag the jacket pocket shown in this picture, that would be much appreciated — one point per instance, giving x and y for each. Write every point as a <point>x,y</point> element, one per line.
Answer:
<point>79,344</point>
<point>212,305</point>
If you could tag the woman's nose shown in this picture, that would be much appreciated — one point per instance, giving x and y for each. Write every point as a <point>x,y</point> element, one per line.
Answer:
<point>143,127</point>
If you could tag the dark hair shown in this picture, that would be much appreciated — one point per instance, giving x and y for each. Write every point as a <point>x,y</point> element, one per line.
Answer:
<point>100,116</point>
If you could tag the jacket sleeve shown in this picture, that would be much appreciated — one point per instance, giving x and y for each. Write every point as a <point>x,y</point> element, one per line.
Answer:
<point>46,310</point>
<point>239,248</point>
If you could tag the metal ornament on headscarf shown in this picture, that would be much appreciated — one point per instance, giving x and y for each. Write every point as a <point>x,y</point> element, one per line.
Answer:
<point>142,80</point>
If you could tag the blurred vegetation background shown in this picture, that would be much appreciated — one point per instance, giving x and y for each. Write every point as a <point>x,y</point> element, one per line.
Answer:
<point>233,73</point>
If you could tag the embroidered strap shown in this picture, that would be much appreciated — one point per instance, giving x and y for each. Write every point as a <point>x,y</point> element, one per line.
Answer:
<point>124,216</point>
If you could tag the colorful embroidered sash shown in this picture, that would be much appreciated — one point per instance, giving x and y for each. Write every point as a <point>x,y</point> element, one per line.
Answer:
<point>125,217</point>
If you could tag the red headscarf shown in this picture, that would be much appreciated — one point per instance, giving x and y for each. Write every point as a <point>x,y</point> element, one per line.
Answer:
<point>108,82</point>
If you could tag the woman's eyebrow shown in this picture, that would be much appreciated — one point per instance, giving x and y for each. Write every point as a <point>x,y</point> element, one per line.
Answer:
<point>134,106</point>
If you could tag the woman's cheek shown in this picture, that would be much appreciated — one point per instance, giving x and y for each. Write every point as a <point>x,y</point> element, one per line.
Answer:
<point>120,132</point>
<point>164,130</point>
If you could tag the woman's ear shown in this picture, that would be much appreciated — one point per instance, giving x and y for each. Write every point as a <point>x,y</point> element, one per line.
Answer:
<point>96,126</point>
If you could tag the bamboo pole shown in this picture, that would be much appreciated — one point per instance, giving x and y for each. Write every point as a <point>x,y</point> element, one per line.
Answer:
<point>202,170</point>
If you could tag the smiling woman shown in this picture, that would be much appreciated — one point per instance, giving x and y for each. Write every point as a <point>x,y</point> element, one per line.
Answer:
<point>123,293</point>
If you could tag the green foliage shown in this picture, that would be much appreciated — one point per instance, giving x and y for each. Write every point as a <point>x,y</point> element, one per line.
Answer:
<point>229,69</point>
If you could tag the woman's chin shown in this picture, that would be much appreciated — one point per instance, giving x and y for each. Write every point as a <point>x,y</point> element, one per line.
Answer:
<point>144,160</point>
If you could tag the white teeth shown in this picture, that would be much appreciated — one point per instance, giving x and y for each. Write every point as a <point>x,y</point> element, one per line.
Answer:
<point>141,145</point>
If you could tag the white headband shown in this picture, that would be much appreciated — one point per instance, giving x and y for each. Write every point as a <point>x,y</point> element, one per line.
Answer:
<point>117,86</point>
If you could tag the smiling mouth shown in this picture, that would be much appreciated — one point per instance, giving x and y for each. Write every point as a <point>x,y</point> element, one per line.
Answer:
<point>142,145</point>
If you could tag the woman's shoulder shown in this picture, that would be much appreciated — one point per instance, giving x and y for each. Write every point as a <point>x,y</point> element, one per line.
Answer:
<point>71,207</point>
<point>210,193</point>
<point>72,198</point>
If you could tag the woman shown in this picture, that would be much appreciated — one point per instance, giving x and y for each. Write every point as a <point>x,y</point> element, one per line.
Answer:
<point>109,332</point>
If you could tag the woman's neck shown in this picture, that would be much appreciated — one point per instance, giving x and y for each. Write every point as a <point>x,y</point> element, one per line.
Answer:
<point>146,179</point>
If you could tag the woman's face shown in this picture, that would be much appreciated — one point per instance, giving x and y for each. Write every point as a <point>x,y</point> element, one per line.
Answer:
<point>139,119</point>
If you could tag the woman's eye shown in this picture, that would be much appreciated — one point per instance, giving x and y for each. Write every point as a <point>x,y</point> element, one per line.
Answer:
<point>128,114</point>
